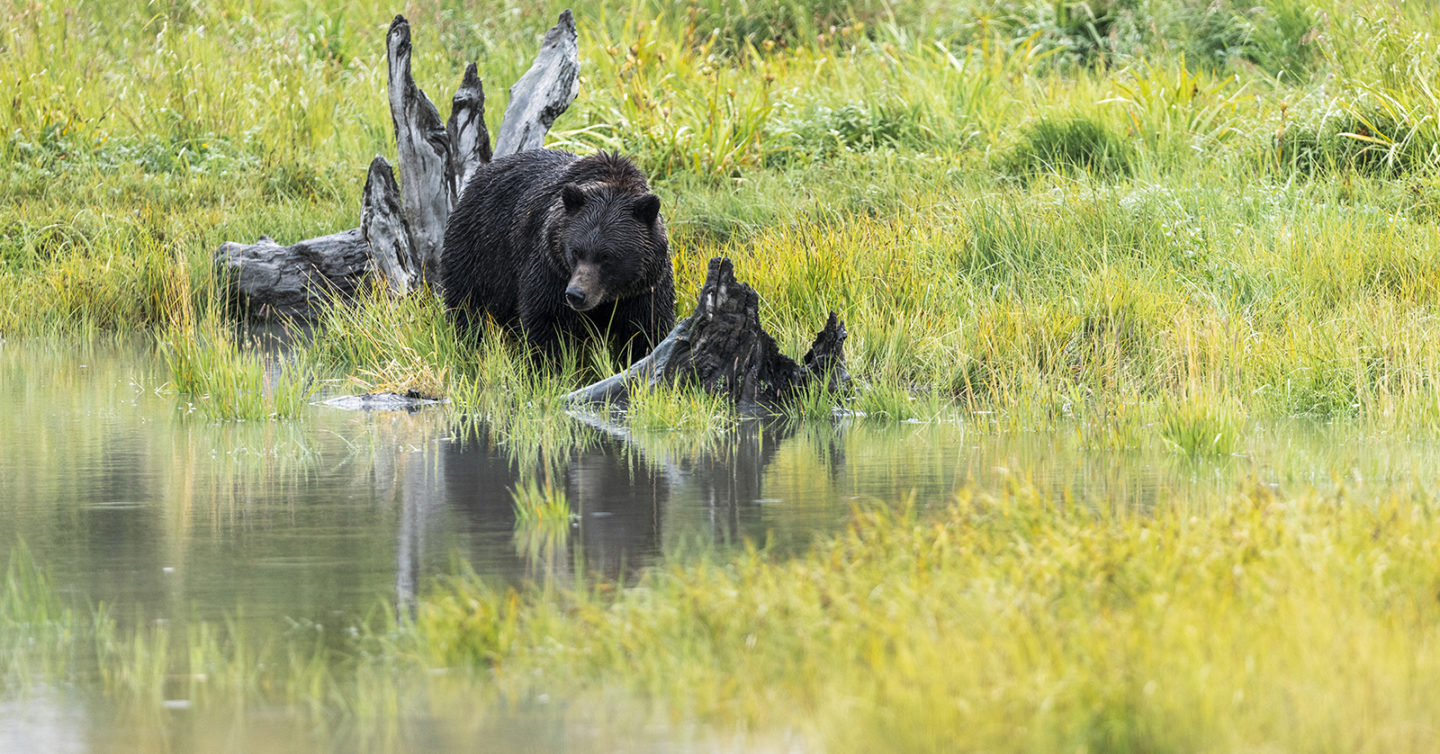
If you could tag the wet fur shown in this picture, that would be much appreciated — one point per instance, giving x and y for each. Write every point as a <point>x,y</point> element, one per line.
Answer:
<point>511,251</point>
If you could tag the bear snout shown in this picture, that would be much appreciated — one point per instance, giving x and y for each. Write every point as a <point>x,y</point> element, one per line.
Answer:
<point>584,291</point>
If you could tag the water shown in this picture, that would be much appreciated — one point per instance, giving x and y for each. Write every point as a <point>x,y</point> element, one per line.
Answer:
<point>124,497</point>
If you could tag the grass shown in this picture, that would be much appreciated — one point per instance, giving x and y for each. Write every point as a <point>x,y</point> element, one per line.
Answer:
<point>1202,428</point>
<point>1015,622</point>
<point>1138,222</point>
<point>1175,203</point>
<point>217,375</point>
<point>1002,619</point>
<point>683,409</point>
<point>541,505</point>
<point>1075,144</point>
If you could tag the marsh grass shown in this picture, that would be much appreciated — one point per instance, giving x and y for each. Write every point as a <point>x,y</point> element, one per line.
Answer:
<point>541,504</point>
<point>915,630</point>
<point>1068,145</point>
<point>215,373</point>
<point>543,520</point>
<point>866,169</point>
<point>1165,627</point>
<point>682,408</point>
<point>1198,427</point>
<point>34,624</point>
<point>817,401</point>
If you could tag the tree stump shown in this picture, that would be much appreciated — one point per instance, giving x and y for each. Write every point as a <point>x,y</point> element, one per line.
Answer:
<point>543,93</point>
<point>722,348</point>
<point>424,151</point>
<point>403,227</point>
<point>386,233</point>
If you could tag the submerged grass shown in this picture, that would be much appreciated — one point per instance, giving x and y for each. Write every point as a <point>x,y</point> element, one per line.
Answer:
<point>1199,427</point>
<point>1011,621</point>
<point>1003,619</point>
<point>540,504</point>
<point>217,375</point>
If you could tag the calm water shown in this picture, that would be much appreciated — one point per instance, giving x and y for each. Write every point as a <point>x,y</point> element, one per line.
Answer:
<point>125,498</point>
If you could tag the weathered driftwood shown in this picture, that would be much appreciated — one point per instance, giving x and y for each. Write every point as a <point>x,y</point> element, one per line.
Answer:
<point>469,139</point>
<point>543,93</point>
<point>722,348</point>
<point>412,401</point>
<point>383,226</point>
<point>435,162</point>
<point>424,151</point>
<point>291,281</point>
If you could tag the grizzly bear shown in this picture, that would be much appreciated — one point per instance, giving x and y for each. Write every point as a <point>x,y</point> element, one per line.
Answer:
<point>563,247</point>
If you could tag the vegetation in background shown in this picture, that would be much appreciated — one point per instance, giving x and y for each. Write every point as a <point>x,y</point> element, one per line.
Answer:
<point>1049,147</point>
<point>1257,182</point>
<point>1138,220</point>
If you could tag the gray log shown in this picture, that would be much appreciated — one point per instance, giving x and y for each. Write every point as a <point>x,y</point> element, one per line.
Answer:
<point>410,402</point>
<point>544,92</point>
<point>423,150</point>
<point>382,223</point>
<point>722,348</point>
<point>292,281</point>
<point>469,138</point>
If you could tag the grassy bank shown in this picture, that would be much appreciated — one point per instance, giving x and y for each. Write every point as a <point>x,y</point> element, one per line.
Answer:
<point>1134,219</point>
<point>1044,211</point>
<point>999,620</point>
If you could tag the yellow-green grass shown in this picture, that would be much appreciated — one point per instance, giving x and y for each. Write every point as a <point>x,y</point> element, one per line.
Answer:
<point>1016,209</point>
<point>687,409</point>
<point>1012,621</point>
<point>215,373</point>
<point>541,504</point>
<point>1003,619</point>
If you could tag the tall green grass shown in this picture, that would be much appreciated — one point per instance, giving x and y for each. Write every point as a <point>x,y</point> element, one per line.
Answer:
<point>216,373</point>
<point>1237,195</point>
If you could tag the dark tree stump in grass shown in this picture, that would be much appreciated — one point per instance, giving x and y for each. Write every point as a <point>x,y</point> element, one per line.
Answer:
<point>469,139</point>
<point>292,281</point>
<point>404,226</point>
<point>722,348</point>
<point>386,234</point>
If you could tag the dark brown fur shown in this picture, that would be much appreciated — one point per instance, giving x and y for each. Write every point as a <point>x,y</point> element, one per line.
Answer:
<point>561,246</point>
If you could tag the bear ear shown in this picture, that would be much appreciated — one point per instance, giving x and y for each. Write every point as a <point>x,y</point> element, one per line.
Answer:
<point>647,208</point>
<point>573,197</point>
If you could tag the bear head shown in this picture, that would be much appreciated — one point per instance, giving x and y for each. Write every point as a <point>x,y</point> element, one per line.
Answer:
<point>613,243</point>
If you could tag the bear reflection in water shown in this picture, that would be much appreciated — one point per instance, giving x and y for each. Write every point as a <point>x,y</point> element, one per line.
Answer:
<point>628,503</point>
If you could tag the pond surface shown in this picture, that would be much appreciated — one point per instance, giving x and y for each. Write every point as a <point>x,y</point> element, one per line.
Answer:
<point>124,496</point>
